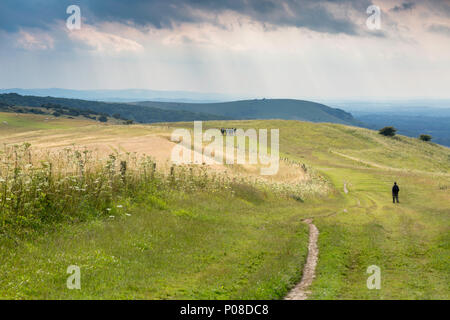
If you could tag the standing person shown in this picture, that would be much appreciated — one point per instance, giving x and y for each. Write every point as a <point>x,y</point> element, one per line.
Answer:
<point>395,190</point>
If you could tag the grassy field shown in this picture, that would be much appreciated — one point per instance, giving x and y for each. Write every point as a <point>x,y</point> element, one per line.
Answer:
<point>165,240</point>
<point>200,246</point>
<point>408,241</point>
<point>12,123</point>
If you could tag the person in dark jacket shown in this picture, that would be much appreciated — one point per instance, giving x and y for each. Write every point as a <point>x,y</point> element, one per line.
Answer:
<point>395,190</point>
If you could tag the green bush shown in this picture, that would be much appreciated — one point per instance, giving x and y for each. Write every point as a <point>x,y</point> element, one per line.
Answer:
<point>387,131</point>
<point>425,137</point>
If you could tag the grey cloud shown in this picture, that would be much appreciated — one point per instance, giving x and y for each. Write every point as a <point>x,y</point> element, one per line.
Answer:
<point>310,14</point>
<point>440,28</point>
<point>163,14</point>
<point>405,6</point>
<point>15,14</point>
<point>439,7</point>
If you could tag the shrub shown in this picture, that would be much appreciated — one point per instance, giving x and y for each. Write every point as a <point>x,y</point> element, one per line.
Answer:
<point>388,131</point>
<point>4,105</point>
<point>73,112</point>
<point>36,111</point>
<point>102,119</point>
<point>38,190</point>
<point>425,137</point>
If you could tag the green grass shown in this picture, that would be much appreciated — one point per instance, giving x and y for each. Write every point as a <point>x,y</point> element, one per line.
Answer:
<point>199,247</point>
<point>141,234</point>
<point>11,123</point>
<point>408,241</point>
<point>248,243</point>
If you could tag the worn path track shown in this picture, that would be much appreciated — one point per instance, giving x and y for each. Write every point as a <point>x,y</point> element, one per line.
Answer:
<point>300,291</point>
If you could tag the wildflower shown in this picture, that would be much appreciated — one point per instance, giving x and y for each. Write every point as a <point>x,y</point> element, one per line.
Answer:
<point>111,217</point>
<point>119,206</point>
<point>108,209</point>
<point>128,215</point>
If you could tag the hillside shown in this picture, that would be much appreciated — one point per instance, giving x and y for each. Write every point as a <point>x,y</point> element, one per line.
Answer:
<point>437,125</point>
<point>205,235</point>
<point>136,113</point>
<point>286,109</point>
<point>410,117</point>
<point>150,111</point>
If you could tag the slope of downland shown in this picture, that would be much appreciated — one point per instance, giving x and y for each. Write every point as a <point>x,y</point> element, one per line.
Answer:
<point>287,109</point>
<point>251,244</point>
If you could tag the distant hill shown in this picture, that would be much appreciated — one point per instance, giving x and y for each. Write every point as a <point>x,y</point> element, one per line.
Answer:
<point>287,109</point>
<point>137,113</point>
<point>152,111</point>
<point>124,95</point>
<point>53,111</point>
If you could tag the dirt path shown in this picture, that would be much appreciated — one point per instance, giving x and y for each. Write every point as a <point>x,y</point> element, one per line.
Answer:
<point>300,291</point>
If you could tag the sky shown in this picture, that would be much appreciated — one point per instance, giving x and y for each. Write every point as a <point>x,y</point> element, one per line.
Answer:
<point>253,48</point>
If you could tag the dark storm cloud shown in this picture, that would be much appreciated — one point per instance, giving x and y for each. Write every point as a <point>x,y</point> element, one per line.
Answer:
<point>405,6</point>
<point>15,14</point>
<point>312,14</point>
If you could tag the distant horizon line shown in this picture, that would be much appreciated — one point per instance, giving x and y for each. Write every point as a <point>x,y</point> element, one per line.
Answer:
<point>234,97</point>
